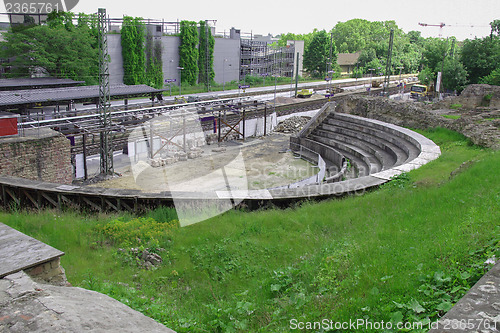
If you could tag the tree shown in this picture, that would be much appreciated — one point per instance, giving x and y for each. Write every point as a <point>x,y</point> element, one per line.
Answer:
<point>57,19</point>
<point>372,40</point>
<point>415,37</point>
<point>495,27</point>
<point>188,53</point>
<point>493,78</point>
<point>291,36</point>
<point>427,76</point>
<point>434,52</point>
<point>351,36</point>
<point>58,50</point>
<point>480,57</point>
<point>316,55</point>
<point>454,75</point>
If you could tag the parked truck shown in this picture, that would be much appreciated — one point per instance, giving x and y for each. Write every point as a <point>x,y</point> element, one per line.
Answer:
<point>419,91</point>
<point>304,93</point>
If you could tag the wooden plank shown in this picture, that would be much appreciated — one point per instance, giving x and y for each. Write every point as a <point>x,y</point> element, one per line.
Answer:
<point>19,251</point>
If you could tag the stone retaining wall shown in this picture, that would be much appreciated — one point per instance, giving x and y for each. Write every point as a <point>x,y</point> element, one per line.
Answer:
<point>50,272</point>
<point>40,154</point>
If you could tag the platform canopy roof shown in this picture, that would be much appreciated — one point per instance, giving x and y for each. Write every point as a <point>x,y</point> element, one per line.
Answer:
<point>75,94</point>
<point>36,83</point>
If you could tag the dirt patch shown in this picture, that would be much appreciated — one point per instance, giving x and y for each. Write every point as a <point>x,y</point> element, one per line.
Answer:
<point>257,163</point>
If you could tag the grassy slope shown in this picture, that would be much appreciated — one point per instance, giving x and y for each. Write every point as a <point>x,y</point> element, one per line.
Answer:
<point>404,252</point>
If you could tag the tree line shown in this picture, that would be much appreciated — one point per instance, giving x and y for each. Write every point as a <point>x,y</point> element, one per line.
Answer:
<point>470,61</point>
<point>64,49</point>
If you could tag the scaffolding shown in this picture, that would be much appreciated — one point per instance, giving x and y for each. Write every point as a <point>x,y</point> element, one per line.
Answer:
<point>260,58</point>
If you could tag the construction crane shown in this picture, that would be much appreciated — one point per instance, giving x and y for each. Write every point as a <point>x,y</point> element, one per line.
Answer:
<point>442,25</point>
<point>432,25</point>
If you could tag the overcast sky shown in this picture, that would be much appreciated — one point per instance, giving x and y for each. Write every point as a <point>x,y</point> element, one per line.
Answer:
<point>464,18</point>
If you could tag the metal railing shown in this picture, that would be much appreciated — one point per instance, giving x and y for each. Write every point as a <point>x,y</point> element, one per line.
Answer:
<point>313,180</point>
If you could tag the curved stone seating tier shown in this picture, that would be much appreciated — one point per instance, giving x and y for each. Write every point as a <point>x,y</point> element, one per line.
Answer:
<point>371,147</point>
<point>376,152</point>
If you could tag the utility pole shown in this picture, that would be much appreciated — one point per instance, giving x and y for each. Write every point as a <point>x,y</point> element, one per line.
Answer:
<point>297,74</point>
<point>388,65</point>
<point>207,56</point>
<point>330,70</point>
<point>106,140</point>
<point>441,86</point>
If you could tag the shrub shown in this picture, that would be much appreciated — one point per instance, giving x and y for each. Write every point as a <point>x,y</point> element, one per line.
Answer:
<point>136,232</point>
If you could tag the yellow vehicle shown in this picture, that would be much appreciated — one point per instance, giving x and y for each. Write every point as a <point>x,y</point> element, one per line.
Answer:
<point>419,91</point>
<point>304,93</point>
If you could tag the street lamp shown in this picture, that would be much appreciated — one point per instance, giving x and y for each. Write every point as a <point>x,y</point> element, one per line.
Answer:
<point>180,80</point>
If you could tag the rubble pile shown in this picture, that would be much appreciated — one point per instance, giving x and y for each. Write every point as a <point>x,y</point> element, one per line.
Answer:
<point>192,153</point>
<point>213,138</point>
<point>144,258</point>
<point>292,124</point>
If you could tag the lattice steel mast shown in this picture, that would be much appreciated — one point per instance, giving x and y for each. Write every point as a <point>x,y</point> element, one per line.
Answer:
<point>106,142</point>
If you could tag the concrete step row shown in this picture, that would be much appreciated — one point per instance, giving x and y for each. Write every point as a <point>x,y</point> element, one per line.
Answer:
<point>368,146</point>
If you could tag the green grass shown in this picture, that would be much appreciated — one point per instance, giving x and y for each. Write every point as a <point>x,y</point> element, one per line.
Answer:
<point>450,116</point>
<point>405,252</point>
<point>455,106</point>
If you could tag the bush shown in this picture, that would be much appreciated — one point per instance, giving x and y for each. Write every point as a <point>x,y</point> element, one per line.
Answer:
<point>493,78</point>
<point>136,232</point>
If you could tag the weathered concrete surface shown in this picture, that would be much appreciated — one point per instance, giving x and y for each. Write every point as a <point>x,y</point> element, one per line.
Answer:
<point>27,306</point>
<point>478,311</point>
<point>19,251</point>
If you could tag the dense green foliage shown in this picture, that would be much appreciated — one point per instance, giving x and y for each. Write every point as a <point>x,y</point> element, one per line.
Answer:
<point>188,52</point>
<point>359,257</point>
<point>454,75</point>
<point>317,54</point>
<point>132,41</point>
<point>206,55</point>
<point>59,49</point>
<point>493,78</point>
<point>480,57</point>
<point>154,63</point>
<point>464,63</point>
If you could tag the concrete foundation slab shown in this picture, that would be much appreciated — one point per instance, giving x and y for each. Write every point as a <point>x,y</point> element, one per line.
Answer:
<point>19,251</point>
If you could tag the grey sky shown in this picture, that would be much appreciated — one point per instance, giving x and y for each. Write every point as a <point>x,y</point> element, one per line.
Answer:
<point>464,18</point>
